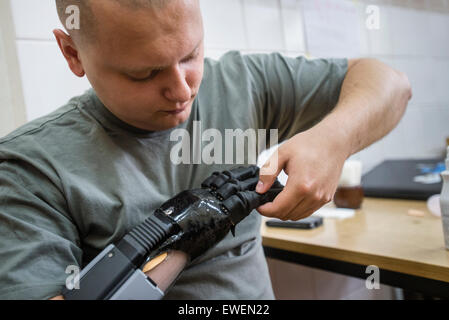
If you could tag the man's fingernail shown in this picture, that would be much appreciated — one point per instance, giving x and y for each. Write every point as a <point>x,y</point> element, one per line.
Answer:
<point>259,187</point>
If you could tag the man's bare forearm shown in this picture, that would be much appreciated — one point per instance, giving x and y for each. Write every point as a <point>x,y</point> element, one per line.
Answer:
<point>163,270</point>
<point>372,101</point>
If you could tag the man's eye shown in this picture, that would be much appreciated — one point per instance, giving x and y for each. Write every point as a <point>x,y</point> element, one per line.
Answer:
<point>147,78</point>
<point>193,56</point>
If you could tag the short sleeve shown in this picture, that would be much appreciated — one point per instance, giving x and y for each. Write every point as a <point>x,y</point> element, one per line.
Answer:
<point>293,94</point>
<point>38,240</point>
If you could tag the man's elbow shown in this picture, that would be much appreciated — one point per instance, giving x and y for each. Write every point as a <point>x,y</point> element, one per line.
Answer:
<point>399,78</point>
<point>397,81</point>
<point>404,85</point>
<point>400,81</point>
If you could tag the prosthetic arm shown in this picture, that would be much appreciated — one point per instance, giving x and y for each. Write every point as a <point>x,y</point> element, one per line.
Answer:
<point>182,229</point>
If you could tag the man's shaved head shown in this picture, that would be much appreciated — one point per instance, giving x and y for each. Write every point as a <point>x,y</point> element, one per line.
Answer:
<point>143,58</point>
<point>87,15</point>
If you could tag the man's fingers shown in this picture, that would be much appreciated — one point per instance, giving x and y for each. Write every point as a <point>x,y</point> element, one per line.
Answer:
<point>304,209</point>
<point>282,205</point>
<point>269,172</point>
<point>294,202</point>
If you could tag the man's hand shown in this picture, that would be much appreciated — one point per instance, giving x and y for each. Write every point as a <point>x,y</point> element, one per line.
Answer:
<point>313,162</point>
<point>373,99</point>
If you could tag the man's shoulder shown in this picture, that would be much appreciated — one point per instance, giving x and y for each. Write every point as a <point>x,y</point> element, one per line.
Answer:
<point>230,69</point>
<point>64,117</point>
<point>34,126</point>
<point>239,67</point>
<point>230,60</point>
<point>235,61</point>
<point>238,57</point>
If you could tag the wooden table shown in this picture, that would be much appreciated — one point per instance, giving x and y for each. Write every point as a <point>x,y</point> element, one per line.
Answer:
<point>409,250</point>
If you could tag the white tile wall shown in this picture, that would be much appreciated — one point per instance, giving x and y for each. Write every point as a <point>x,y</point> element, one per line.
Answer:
<point>435,120</point>
<point>34,19</point>
<point>224,24</point>
<point>380,41</point>
<point>364,32</point>
<point>406,28</point>
<point>414,42</point>
<point>414,129</point>
<point>263,25</point>
<point>332,28</point>
<point>429,82</point>
<point>47,81</point>
<point>293,26</point>
<point>440,44</point>
<point>409,40</point>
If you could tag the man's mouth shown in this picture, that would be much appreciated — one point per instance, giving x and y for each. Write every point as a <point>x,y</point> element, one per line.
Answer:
<point>178,110</point>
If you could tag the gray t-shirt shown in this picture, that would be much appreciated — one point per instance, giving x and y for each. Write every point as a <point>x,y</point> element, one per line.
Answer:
<point>78,179</point>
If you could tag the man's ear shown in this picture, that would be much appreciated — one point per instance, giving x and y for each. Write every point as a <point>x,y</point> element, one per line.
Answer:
<point>69,51</point>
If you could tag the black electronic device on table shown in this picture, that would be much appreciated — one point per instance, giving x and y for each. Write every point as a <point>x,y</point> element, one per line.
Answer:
<point>307,223</point>
<point>404,179</point>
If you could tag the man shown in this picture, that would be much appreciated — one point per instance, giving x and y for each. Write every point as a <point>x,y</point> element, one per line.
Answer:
<point>78,179</point>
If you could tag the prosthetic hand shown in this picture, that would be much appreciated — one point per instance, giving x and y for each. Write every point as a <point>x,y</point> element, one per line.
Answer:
<point>192,222</point>
<point>205,216</point>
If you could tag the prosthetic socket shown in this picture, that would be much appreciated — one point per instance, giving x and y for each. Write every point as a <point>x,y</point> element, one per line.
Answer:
<point>192,222</point>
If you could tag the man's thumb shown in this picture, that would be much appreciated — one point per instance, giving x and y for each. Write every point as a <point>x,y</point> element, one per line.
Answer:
<point>268,173</point>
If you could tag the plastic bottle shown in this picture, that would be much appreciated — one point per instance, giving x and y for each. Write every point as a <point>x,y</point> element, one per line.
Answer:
<point>444,202</point>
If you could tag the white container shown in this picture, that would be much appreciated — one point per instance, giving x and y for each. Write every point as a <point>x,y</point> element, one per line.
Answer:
<point>444,202</point>
<point>351,175</point>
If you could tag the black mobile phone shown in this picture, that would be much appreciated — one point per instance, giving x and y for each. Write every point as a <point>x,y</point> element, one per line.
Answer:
<point>307,223</point>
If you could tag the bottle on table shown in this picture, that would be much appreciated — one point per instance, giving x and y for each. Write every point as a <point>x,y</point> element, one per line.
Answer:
<point>444,202</point>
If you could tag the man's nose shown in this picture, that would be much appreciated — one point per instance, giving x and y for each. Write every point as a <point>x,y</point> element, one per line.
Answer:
<point>177,89</point>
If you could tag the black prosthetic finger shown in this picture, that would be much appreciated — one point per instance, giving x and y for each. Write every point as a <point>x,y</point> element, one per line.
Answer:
<point>249,184</point>
<point>270,195</point>
<point>228,189</point>
<point>206,183</point>
<point>234,186</point>
<point>277,185</point>
<point>255,200</point>
<point>241,204</point>
<point>235,207</point>
<point>216,180</point>
<point>243,173</point>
